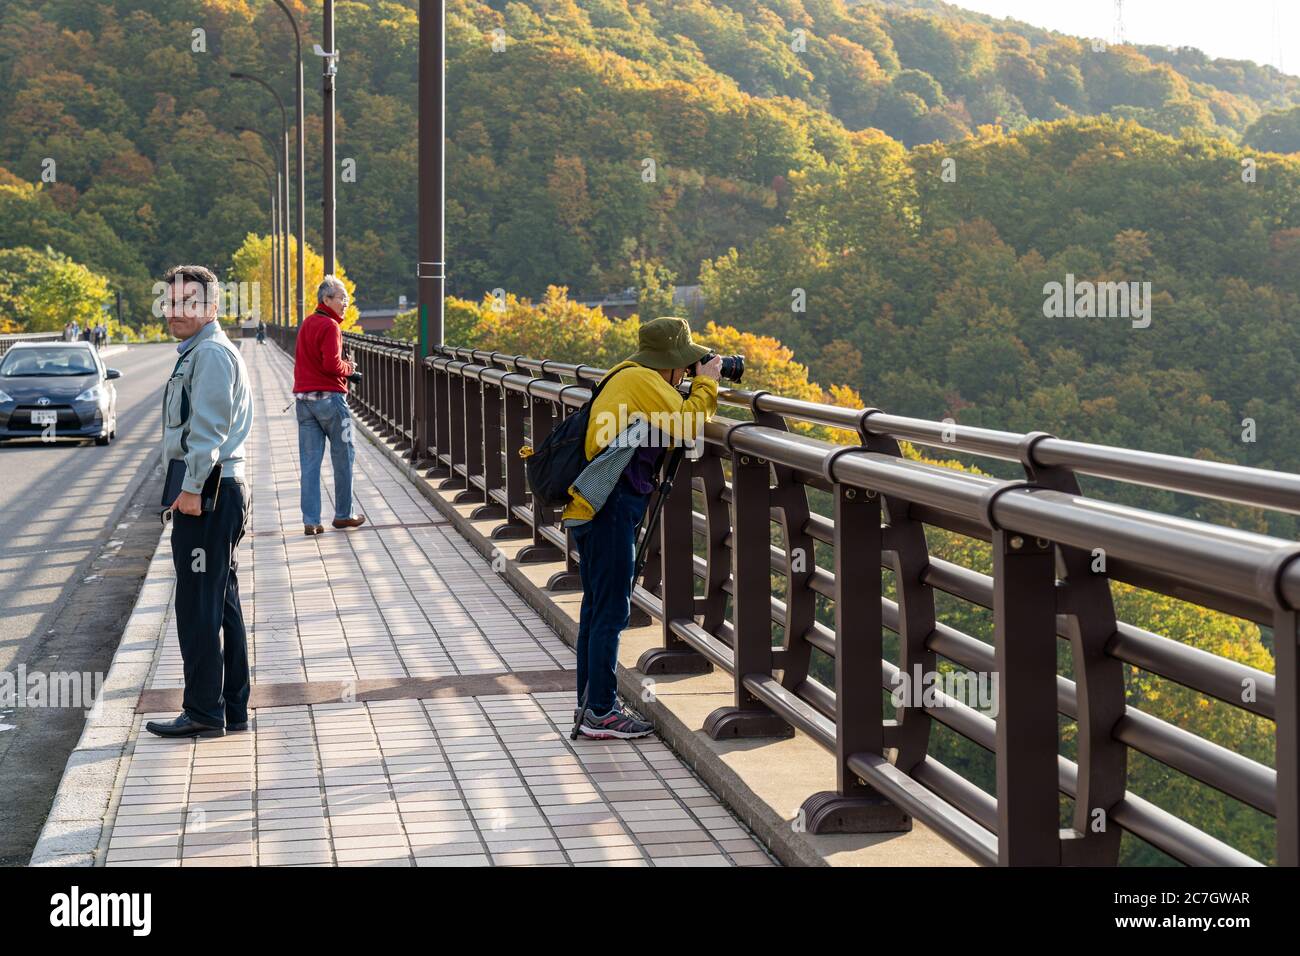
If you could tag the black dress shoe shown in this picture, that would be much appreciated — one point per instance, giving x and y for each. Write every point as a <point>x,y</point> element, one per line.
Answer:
<point>236,726</point>
<point>183,726</point>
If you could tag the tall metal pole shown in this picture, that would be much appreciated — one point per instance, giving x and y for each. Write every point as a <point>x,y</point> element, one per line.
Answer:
<point>280,277</point>
<point>275,249</point>
<point>431,272</point>
<point>270,183</point>
<point>302,166</point>
<point>282,259</point>
<point>285,298</point>
<point>330,68</point>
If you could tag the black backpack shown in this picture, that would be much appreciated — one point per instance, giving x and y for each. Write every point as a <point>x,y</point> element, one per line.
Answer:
<point>556,463</point>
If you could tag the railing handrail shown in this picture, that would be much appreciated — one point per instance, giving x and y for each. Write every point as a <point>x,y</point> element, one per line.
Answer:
<point>1223,481</point>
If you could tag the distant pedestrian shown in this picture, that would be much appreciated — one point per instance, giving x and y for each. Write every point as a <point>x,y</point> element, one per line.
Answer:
<point>207,416</point>
<point>320,385</point>
<point>261,332</point>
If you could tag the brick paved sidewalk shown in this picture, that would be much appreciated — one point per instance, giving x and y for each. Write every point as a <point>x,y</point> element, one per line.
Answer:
<point>408,708</point>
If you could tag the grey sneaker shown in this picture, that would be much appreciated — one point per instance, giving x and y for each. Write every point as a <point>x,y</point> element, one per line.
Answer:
<point>616,724</point>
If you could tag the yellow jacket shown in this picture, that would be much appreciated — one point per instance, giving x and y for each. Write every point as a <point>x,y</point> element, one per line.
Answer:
<point>642,391</point>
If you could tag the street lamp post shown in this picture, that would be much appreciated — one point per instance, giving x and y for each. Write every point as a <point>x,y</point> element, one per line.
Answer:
<point>328,75</point>
<point>302,162</point>
<point>431,272</point>
<point>286,298</point>
<point>275,198</point>
<point>273,182</point>
<point>280,263</point>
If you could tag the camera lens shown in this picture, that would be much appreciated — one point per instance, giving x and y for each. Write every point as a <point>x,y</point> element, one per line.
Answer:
<point>733,366</point>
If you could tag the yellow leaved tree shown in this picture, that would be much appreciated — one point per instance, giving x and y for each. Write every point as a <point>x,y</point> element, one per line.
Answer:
<point>251,262</point>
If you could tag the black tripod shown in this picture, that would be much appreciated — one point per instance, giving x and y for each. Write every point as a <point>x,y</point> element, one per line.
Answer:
<point>643,545</point>
<point>652,516</point>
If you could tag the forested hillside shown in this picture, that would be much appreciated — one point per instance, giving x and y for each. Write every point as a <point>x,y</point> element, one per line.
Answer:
<point>548,129</point>
<point>912,175</point>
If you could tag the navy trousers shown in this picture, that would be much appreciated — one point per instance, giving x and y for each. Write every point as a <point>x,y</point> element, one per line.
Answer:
<point>209,617</point>
<point>606,561</point>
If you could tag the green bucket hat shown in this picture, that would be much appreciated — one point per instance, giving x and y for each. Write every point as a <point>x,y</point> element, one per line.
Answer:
<point>666,343</point>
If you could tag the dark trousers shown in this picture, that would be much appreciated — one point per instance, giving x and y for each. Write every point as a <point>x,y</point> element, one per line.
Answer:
<point>204,551</point>
<point>606,561</point>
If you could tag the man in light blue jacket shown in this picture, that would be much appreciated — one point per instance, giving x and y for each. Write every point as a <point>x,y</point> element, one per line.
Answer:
<point>207,415</point>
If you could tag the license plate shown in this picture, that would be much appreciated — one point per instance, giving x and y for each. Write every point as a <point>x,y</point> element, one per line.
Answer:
<point>50,417</point>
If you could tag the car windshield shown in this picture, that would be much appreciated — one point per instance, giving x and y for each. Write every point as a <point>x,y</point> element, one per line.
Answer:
<point>47,361</point>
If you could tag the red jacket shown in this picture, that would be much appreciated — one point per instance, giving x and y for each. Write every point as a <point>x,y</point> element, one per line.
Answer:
<point>318,358</point>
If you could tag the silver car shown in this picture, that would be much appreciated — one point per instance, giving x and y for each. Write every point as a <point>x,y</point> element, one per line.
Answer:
<point>57,390</point>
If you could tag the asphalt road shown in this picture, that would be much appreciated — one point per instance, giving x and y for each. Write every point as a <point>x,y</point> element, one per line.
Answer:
<point>78,526</point>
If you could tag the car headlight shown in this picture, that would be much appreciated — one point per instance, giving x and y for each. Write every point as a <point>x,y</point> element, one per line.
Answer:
<point>5,396</point>
<point>93,394</point>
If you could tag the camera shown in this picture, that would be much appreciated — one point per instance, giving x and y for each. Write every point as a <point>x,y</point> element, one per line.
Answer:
<point>733,366</point>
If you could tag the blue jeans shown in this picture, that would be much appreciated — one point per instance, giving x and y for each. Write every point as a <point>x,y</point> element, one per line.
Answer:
<point>606,561</point>
<point>318,420</point>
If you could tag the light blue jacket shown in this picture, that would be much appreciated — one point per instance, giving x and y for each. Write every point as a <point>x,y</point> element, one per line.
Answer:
<point>207,408</point>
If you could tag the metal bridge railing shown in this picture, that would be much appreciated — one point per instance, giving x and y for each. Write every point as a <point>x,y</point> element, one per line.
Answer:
<point>709,583</point>
<point>8,340</point>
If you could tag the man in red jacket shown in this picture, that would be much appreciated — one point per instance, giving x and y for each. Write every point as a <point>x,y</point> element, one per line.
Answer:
<point>320,386</point>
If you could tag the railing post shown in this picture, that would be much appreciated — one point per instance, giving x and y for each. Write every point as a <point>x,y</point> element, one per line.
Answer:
<point>428,398</point>
<point>364,388</point>
<point>408,403</point>
<point>515,405</point>
<point>790,498</point>
<point>456,426</point>
<point>854,807</point>
<point>909,555</point>
<point>1083,600</point>
<point>441,420</point>
<point>491,428</point>
<point>751,602</point>
<point>394,402</point>
<point>385,391</point>
<point>1286,642</point>
<point>374,385</point>
<point>472,420</point>
<point>1024,621</point>
<point>541,421</point>
<point>422,406</point>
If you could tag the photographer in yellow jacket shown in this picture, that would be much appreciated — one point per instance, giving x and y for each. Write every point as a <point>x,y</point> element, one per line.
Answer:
<point>637,413</point>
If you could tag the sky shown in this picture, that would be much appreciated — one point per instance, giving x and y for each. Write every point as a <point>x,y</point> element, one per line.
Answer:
<point>1266,31</point>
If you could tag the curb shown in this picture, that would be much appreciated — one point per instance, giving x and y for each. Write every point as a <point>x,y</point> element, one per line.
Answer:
<point>85,802</point>
<point>787,845</point>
